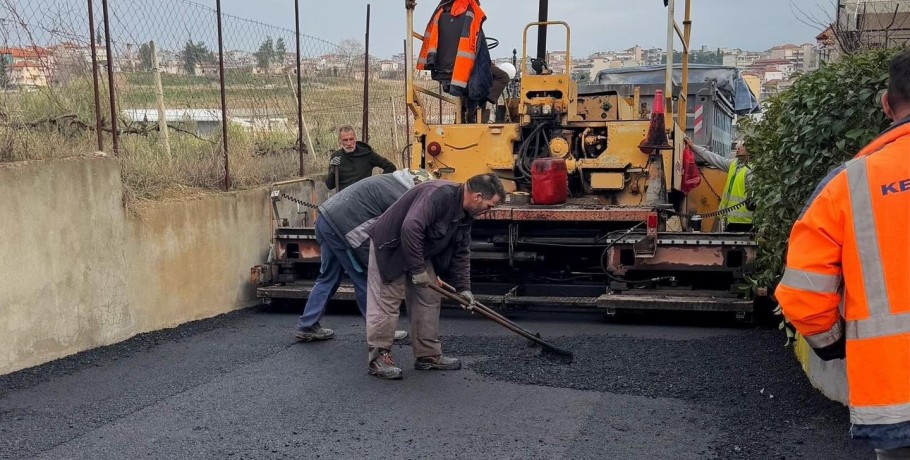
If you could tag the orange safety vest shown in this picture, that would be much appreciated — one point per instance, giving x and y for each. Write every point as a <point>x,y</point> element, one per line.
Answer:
<point>848,258</point>
<point>467,43</point>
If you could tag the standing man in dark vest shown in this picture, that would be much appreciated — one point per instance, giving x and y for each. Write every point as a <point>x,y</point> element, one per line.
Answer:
<point>426,233</point>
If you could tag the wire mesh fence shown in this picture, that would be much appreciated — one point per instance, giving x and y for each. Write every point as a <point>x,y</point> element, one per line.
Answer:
<point>167,78</point>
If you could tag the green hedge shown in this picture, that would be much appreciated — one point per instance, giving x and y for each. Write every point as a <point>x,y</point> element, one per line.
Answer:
<point>824,119</point>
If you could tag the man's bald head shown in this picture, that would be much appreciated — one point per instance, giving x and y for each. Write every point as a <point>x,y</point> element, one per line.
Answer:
<point>896,100</point>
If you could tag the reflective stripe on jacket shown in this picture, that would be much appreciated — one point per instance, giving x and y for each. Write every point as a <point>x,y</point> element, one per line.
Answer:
<point>467,42</point>
<point>735,193</point>
<point>847,258</point>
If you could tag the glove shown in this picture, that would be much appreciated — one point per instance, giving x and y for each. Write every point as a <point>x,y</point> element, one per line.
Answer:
<point>335,161</point>
<point>837,350</point>
<point>750,204</point>
<point>421,279</point>
<point>467,295</point>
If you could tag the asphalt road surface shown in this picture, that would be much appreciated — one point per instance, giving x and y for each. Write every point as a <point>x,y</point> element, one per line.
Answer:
<point>239,386</point>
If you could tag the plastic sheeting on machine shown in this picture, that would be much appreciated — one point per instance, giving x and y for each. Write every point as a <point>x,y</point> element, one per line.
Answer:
<point>729,81</point>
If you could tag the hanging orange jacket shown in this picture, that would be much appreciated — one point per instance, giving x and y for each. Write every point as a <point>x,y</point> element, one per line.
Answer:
<point>467,42</point>
<point>847,280</point>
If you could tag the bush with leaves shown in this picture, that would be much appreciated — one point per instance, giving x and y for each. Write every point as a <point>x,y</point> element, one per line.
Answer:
<point>821,121</point>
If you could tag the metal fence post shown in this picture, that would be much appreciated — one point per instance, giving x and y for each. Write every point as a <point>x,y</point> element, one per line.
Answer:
<point>407,114</point>
<point>299,93</point>
<point>91,34</point>
<point>224,119</point>
<point>115,134</point>
<point>366,81</point>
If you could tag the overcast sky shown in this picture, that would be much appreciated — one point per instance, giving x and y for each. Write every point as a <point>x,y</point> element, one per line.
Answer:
<point>596,24</point>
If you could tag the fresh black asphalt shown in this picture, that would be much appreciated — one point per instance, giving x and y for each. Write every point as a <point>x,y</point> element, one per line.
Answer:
<point>239,386</point>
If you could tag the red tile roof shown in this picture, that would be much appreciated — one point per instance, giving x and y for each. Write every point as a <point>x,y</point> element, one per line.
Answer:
<point>25,53</point>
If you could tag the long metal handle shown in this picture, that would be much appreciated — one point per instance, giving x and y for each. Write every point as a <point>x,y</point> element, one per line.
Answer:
<point>485,311</point>
<point>476,303</point>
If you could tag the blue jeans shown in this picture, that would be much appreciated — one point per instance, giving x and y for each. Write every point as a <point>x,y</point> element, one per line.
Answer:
<point>335,258</point>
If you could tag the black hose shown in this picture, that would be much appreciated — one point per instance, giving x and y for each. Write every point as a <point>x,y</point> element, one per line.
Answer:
<point>522,165</point>
<point>403,155</point>
<point>540,132</point>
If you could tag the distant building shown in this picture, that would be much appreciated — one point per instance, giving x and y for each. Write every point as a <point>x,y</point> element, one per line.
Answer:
<point>205,122</point>
<point>753,81</point>
<point>206,70</point>
<point>737,58</point>
<point>653,56</point>
<point>390,65</point>
<point>826,43</point>
<point>786,52</point>
<point>28,67</point>
<point>26,74</point>
<point>807,57</point>
<point>873,23</point>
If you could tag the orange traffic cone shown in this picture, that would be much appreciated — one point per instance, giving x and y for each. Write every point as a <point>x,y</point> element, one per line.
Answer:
<point>657,131</point>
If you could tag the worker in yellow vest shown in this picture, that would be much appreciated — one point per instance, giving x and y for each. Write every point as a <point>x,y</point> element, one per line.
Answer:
<point>736,190</point>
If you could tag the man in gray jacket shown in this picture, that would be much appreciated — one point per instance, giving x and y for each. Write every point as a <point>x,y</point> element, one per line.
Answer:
<point>341,233</point>
<point>425,233</point>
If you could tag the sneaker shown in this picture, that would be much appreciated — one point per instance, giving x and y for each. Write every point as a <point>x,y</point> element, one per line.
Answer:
<point>400,335</point>
<point>439,363</point>
<point>384,368</point>
<point>314,333</point>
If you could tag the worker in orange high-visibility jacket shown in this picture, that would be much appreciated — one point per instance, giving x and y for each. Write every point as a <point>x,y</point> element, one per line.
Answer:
<point>846,287</point>
<point>453,64</point>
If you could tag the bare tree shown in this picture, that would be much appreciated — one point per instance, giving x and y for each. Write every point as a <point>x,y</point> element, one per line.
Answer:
<point>352,52</point>
<point>857,26</point>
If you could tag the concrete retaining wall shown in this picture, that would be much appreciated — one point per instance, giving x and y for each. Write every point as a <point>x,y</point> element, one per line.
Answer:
<point>77,271</point>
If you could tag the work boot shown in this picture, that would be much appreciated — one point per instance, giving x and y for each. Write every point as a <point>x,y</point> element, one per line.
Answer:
<point>438,363</point>
<point>314,333</point>
<point>400,335</point>
<point>383,367</point>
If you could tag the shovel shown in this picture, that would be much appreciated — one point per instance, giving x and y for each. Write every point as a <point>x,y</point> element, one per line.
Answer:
<point>548,350</point>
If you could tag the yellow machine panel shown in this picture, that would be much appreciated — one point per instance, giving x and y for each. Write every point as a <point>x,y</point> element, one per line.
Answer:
<point>706,197</point>
<point>607,181</point>
<point>606,107</point>
<point>545,94</point>
<point>467,150</point>
<point>623,140</point>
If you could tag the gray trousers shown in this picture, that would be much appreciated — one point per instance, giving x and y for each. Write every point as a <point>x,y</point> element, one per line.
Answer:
<point>384,302</point>
<point>901,453</point>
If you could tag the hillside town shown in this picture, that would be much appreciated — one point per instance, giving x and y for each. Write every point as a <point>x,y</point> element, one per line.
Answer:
<point>767,72</point>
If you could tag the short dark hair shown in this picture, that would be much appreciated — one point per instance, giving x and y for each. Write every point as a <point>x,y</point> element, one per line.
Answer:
<point>487,185</point>
<point>899,80</point>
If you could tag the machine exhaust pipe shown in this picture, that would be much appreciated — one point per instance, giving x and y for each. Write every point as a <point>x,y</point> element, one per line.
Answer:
<point>542,31</point>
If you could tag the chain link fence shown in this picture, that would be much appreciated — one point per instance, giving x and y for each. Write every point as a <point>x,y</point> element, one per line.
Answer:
<point>167,79</point>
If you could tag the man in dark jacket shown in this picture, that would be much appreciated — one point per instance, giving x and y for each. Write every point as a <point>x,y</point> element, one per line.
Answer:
<point>427,231</point>
<point>354,161</point>
<point>341,233</point>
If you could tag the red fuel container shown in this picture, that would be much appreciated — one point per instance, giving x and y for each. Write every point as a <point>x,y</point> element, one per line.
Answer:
<point>549,181</point>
